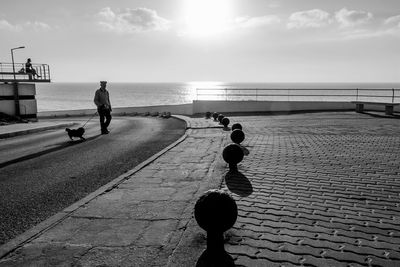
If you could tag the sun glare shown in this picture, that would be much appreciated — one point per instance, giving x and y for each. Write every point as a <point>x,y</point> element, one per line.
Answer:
<point>205,18</point>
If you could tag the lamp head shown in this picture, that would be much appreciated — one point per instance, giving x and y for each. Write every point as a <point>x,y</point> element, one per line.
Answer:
<point>19,47</point>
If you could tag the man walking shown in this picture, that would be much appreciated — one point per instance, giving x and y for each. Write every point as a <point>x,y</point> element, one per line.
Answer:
<point>102,101</point>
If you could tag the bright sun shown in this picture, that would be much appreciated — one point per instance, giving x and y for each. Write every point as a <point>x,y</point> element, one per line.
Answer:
<point>205,18</point>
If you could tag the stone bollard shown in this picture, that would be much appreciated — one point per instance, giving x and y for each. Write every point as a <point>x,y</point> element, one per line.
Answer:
<point>237,136</point>
<point>208,114</point>
<point>233,154</point>
<point>215,211</point>
<point>237,126</point>
<point>225,121</point>
<point>220,117</point>
<point>215,116</point>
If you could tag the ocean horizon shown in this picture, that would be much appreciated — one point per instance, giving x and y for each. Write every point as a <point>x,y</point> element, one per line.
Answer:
<point>74,96</point>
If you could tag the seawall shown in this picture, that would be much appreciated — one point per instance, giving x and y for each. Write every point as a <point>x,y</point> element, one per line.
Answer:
<point>202,106</point>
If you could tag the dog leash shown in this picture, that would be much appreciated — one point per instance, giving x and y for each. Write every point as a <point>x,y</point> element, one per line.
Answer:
<point>89,119</point>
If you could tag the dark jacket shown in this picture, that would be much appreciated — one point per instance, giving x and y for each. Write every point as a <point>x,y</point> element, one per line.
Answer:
<point>102,99</point>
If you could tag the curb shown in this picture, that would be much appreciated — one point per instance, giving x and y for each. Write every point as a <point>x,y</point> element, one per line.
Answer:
<point>49,223</point>
<point>183,118</point>
<point>186,253</point>
<point>35,130</point>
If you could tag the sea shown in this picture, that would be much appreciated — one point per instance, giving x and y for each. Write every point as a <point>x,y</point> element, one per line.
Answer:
<point>74,96</point>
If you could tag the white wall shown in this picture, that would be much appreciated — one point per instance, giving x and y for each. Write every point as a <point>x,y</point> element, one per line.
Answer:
<point>200,106</point>
<point>26,107</point>
<point>184,109</point>
<point>23,89</point>
<point>267,106</point>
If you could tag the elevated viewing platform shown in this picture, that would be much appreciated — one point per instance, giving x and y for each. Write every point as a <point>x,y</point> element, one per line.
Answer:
<point>18,73</point>
<point>18,89</point>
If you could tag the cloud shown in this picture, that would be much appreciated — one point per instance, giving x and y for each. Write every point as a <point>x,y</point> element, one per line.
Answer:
<point>386,27</point>
<point>132,20</point>
<point>393,21</point>
<point>36,26</point>
<point>350,18</point>
<point>314,18</point>
<point>5,25</point>
<point>253,22</point>
<point>32,26</point>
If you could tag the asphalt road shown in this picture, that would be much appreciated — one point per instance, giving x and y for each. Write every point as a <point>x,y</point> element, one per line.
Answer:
<point>43,173</point>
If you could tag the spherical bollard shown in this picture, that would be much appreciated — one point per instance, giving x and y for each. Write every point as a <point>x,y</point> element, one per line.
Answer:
<point>215,211</point>
<point>233,154</point>
<point>215,116</point>
<point>237,136</point>
<point>236,126</point>
<point>225,121</point>
<point>220,117</point>
<point>208,114</point>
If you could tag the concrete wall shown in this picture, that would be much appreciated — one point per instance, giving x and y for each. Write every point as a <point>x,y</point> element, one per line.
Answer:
<point>373,107</point>
<point>27,107</point>
<point>200,106</point>
<point>23,89</point>
<point>184,109</point>
<point>267,106</point>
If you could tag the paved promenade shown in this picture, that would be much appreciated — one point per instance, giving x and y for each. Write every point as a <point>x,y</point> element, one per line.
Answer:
<point>317,189</point>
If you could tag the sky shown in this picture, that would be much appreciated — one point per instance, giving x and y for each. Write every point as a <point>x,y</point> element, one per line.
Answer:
<point>206,40</point>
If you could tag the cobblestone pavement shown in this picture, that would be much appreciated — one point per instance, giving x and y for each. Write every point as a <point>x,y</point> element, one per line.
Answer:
<point>317,189</point>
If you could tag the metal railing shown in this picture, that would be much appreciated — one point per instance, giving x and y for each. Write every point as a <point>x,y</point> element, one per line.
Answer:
<point>7,73</point>
<point>298,94</point>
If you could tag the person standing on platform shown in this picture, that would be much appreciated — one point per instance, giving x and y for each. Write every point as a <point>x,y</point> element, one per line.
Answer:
<point>102,101</point>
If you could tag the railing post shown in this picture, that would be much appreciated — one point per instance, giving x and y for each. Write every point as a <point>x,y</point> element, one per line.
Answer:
<point>226,94</point>
<point>357,94</point>
<point>392,95</point>
<point>44,71</point>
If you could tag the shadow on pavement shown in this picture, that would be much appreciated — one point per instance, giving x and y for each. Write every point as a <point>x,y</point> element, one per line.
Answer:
<point>376,115</point>
<point>238,183</point>
<point>221,259</point>
<point>54,148</point>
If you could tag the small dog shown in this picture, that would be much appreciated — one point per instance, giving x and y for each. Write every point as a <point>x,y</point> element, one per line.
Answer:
<point>76,133</point>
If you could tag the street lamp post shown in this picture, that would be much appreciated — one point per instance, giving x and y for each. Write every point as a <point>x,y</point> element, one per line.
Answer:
<point>15,85</point>
<point>12,57</point>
